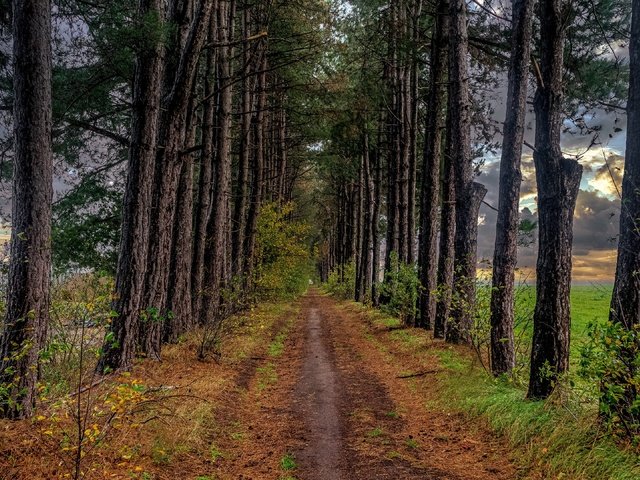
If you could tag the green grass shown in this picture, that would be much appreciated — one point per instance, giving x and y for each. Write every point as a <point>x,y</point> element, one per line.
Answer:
<point>267,375</point>
<point>412,443</point>
<point>376,432</point>
<point>277,346</point>
<point>565,439</point>
<point>288,462</point>
<point>564,436</point>
<point>215,453</point>
<point>405,337</point>
<point>589,304</point>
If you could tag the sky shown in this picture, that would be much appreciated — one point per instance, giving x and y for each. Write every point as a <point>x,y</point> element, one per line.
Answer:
<point>598,205</point>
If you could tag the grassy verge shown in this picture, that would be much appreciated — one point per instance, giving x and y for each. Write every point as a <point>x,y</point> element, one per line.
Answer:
<point>559,439</point>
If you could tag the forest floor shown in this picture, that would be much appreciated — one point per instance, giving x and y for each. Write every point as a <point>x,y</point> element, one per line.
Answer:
<point>314,389</point>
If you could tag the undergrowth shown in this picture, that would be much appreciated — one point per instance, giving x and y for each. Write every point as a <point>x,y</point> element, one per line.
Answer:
<point>156,420</point>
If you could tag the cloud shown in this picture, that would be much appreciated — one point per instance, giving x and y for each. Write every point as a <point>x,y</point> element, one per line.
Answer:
<point>607,177</point>
<point>596,220</point>
<point>596,266</point>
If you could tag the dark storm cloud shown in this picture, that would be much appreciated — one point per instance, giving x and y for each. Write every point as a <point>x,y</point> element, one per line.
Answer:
<point>595,222</point>
<point>595,225</point>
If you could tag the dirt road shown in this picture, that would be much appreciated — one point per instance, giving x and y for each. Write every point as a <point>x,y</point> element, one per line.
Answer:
<point>341,407</point>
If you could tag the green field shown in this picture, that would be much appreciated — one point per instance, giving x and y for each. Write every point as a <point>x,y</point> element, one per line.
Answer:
<point>589,304</point>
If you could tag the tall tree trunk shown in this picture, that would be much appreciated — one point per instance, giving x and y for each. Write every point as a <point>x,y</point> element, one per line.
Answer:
<point>178,88</point>
<point>28,295</point>
<point>625,303</point>
<point>206,176</point>
<point>257,171</point>
<point>393,138</point>
<point>240,206</point>
<point>375,220</point>
<point>405,237</point>
<point>366,250</point>
<point>469,194</point>
<point>359,254</point>
<point>558,181</point>
<point>447,241</point>
<point>506,246</point>
<point>217,227</point>
<point>414,80</point>
<point>282,151</point>
<point>180,318</point>
<point>119,347</point>
<point>430,198</point>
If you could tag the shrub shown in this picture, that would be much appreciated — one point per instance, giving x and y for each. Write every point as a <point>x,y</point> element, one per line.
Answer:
<point>400,289</point>
<point>283,259</point>
<point>342,281</point>
<point>610,360</point>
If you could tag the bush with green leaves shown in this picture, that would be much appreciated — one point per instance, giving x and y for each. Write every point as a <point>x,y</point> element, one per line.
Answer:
<point>284,262</point>
<point>400,289</point>
<point>610,360</point>
<point>342,281</point>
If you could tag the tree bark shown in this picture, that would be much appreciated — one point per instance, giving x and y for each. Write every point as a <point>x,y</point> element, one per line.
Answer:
<point>240,206</point>
<point>447,243</point>
<point>375,220</point>
<point>178,88</point>
<point>625,303</point>
<point>206,186</point>
<point>506,246</point>
<point>393,139</point>
<point>363,286</point>
<point>219,221</point>
<point>257,172</point>
<point>403,111</point>
<point>430,195</point>
<point>469,194</point>
<point>180,318</point>
<point>558,181</point>
<point>28,293</point>
<point>119,347</point>
<point>414,97</point>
